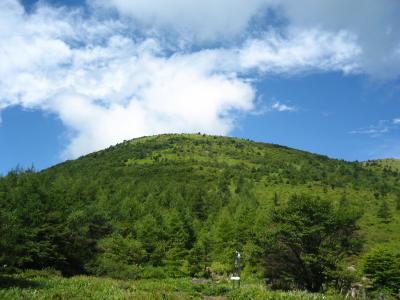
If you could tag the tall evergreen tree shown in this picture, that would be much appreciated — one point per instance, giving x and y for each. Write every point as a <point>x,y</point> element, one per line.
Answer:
<point>398,201</point>
<point>275,199</point>
<point>384,211</point>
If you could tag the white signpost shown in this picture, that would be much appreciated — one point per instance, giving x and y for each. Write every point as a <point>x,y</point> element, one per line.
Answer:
<point>235,277</point>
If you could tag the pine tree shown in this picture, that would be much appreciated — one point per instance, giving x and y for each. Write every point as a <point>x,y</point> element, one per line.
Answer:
<point>344,202</point>
<point>398,202</point>
<point>275,199</point>
<point>384,212</point>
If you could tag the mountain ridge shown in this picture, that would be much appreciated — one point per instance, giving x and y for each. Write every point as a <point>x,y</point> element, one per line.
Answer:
<point>383,161</point>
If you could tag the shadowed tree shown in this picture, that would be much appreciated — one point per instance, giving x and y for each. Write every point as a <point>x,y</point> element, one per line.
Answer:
<point>307,239</point>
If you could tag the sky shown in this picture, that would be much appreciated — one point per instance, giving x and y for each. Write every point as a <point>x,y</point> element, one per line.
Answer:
<point>78,76</point>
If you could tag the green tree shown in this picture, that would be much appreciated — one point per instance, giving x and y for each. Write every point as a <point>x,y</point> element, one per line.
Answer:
<point>275,199</point>
<point>179,235</point>
<point>384,212</point>
<point>344,201</point>
<point>382,266</point>
<point>150,232</point>
<point>8,243</point>
<point>398,202</point>
<point>119,257</point>
<point>308,238</point>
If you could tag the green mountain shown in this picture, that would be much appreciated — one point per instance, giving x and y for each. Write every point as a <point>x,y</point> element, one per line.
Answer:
<point>388,163</point>
<point>173,205</point>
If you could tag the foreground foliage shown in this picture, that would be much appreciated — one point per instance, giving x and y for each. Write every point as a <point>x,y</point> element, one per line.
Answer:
<point>36,285</point>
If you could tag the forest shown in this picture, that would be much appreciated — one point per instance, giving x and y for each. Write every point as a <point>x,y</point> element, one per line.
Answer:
<point>179,206</point>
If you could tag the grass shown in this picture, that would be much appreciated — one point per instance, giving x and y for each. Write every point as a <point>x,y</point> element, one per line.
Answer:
<point>40,285</point>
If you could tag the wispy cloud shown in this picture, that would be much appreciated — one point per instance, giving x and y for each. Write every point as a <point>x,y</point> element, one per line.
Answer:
<point>282,107</point>
<point>276,106</point>
<point>379,129</point>
<point>388,148</point>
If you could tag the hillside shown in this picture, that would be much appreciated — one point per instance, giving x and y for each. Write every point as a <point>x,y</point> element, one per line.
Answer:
<point>177,204</point>
<point>388,163</point>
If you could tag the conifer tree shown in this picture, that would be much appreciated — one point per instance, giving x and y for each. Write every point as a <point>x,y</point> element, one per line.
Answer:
<point>275,199</point>
<point>384,212</point>
<point>398,202</point>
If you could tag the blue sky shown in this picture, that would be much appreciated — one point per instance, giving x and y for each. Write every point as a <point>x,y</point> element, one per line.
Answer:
<point>76,77</point>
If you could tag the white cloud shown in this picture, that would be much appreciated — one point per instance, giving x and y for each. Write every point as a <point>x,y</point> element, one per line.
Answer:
<point>106,83</point>
<point>168,95</point>
<point>379,129</point>
<point>371,131</point>
<point>111,88</point>
<point>302,50</point>
<point>375,24</point>
<point>282,107</point>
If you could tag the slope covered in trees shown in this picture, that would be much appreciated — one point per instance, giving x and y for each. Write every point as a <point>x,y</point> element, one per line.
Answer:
<point>179,205</point>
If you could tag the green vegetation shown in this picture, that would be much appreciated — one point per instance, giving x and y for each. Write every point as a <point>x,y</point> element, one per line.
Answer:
<point>307,239</point>
<point>174,206</point>
<point>384,212</point>
<point>388,163</point>
<point>41,285</point>
<point>382,266</point>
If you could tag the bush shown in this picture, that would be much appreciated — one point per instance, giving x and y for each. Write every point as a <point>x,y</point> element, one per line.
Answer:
<point>117,270</point>
<point>219,268</point>
<point>342,278</point>
<point>382,267</point>
<point>153,272</point>
<point>119,258</point>
<point>46,273</point>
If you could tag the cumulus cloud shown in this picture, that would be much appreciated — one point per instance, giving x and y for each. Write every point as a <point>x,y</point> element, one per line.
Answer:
<point>107,82</point>
<point>111,87</point>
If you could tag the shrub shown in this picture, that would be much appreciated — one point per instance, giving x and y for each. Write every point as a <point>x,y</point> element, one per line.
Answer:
<point>219,268</point>
<point>47,273</point>
<point>119,257</point>
<point>153,272</point>
<point>382,267</point>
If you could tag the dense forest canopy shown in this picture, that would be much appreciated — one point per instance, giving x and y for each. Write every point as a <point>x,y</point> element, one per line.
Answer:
<point>180,205</point>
